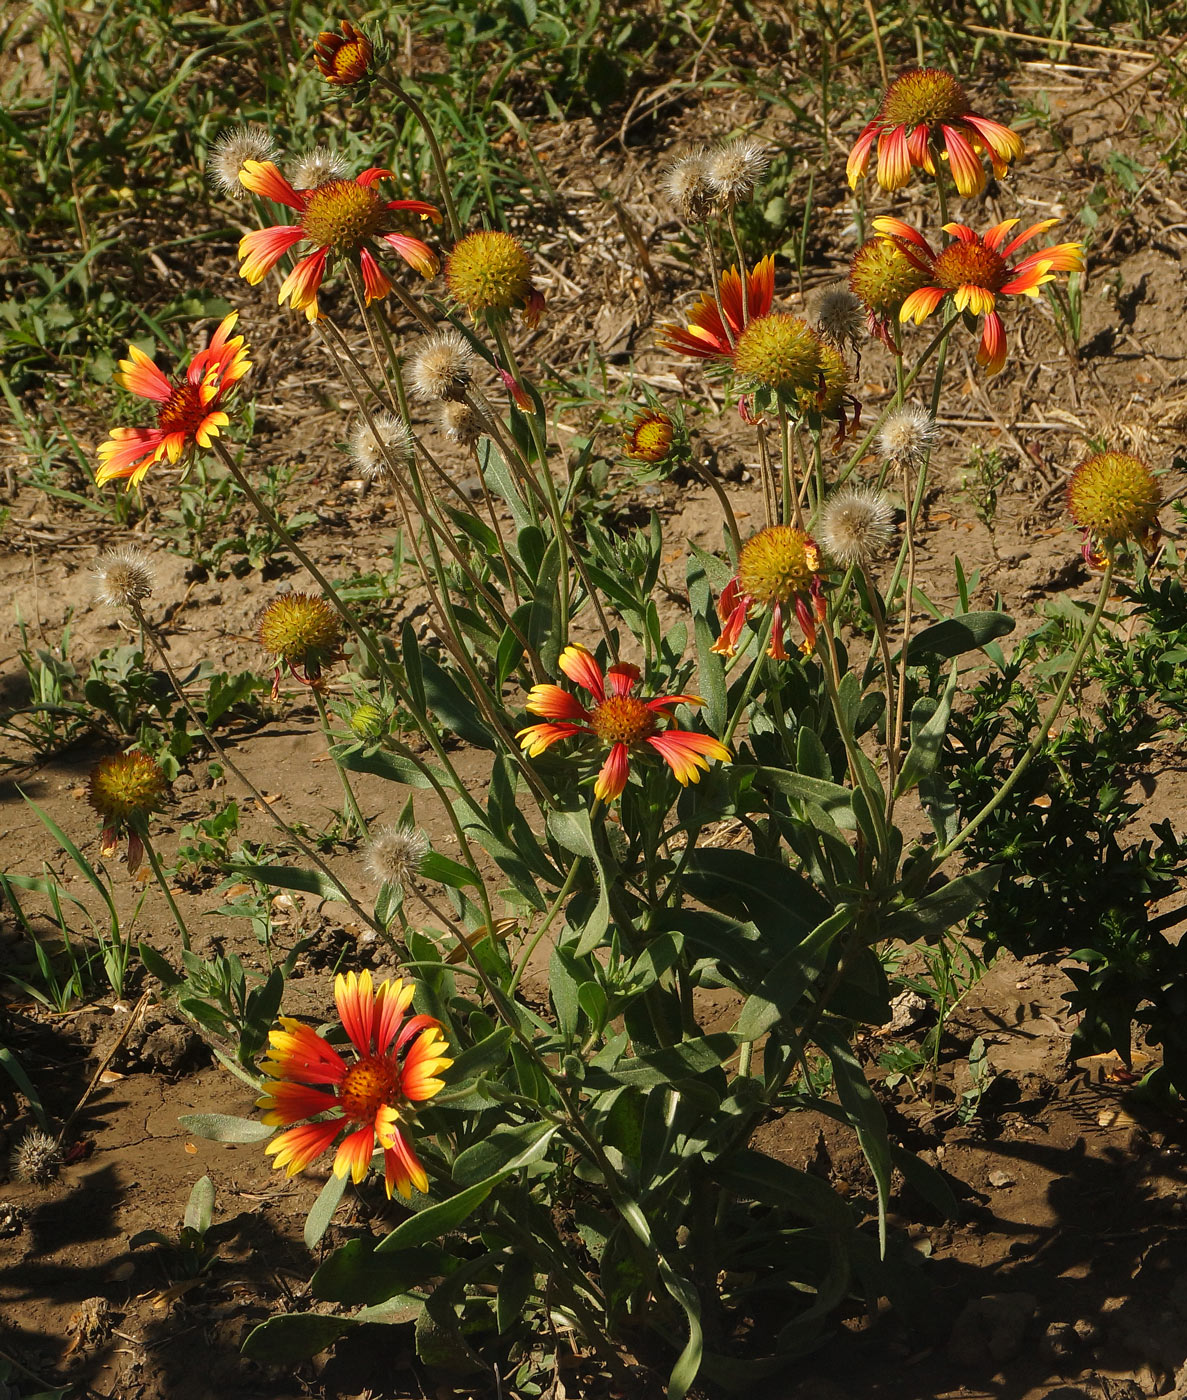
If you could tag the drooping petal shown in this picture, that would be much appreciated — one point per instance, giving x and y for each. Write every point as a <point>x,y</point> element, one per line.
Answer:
<point>622,678</point>
<point>140,376</point>
<point>859,156</point>
<point>287,1102</point>
<point>537,737</point>
<point>391,1002</point>
<point>402,1169</point>
<point>301,285</point>
<point>262,177</point>
<point>579,665</point>
<point>1005,144</point>
<point>414,252</point>
<point>373,173</point>
<point>376,284</point>
<point>919,149</point>
<point>355,999</point>
<point>296,1051</point>
<point>992,350</point>
<point>263,248</point>
<point>416,206</point>
<point>894,160</point>
<point>295,1148</point>
<point>688,754</point>
<point>968,174</point>
<point>732,624</point>
<point>920,304</point>
<point>776,650</point>
<point>354,1154</point>
<point>612,778</point>
<point>553,702</point>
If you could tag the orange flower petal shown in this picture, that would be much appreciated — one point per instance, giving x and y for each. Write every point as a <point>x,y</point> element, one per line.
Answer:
<point>354,1154</point>
<point>297,1147</point>
<point>579,665</point>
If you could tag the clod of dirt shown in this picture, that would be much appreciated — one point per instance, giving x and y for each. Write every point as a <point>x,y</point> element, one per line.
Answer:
<point>12,1219</point>
<point>991,1330</point>
<point>907,1010</point>
<point>1060,1341</point>
<point>159,1044</point>
<point>1000,1179</point>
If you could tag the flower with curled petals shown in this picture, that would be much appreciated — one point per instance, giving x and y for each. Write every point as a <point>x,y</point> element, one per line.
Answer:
<point>619,718</point>
<point>343,220</point>
<point>345,58</point>
<point>778,569</point>
<point>926,112</point>
<point>190,408</point>
<point>314,1092</point>
<point>707,336</point>
<point>974,269</point>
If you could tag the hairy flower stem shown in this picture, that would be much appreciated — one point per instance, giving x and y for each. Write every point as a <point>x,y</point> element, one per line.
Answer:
<point>880,631</point>
<point>550,916</point>
<point>141,827</point>
<point>770,499</point>
<point>401,94</point>
<point>723,500</point>
<point>1043,733</point>
<point>790,483</point>
<point>732,219</point>
<point>895,745</point>
<point>715,276</point>
<point>751,680</point>
<point>353,814</point>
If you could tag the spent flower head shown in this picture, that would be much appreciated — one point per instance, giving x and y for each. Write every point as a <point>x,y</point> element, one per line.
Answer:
<point>303,632</point>
<point>840,317</point>
<point>779,352</point>
<point>36,1159</point>
<point>734,168</point>
<point>489,272</point>
<point>316,167</point>
<point>124,578</point>
<point>1115,499</point>
<point>462,423</point>
<point>778,569</point>
<point>124,789</point>
<point>856,525</point>
<point>396,853</point>
<point>688,187</point>
<point>907,435</point>
<point>442,366</point>
<point>231,152</point>
<point>379,449</point>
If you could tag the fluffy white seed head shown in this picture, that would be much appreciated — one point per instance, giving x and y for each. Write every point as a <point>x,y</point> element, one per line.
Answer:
<point>378,455</point>
<point>840,317</point>
<point>442,366</point>
<point>396,854</point>
<point>856,525</point>
<point>461,423</point>
<point>236,145</point>
<point>907,435</point>
<point>317,167</point>
<point>688,187</point>
<point>37,1158</point>
<point>734,168</point>
<point>124,578</point>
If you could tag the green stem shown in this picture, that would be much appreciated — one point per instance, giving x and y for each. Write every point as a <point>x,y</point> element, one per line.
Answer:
<point>751,680</point>
<point>353,813</point>
<point>455,226</point>
<point>142,832</point>
<point>550,916</point>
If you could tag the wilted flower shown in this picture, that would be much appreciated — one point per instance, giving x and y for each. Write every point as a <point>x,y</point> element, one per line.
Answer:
<point>856,525</point>
<point>342,219</point>
<point>316,167</point>
<point>921,111</point>
<point>973,270</point>
<point>380,447</point>
<point>442,366</point>
<point>231,152</point>
<point>460,422</point>
<point>1115,499</point>
<point>190,409</point>
<point>706,337</point>
<point>396,854</point>
<point>303,632</point>
<point>829,396</point>
<point>649,436</point>
<point>490,271</point>
<point>345,58</point>
<point>124,577</point>
<point>733,169</point>
<point>907,435</point>
<point>687,184</point>
<point>37,1158</point>
<point>778,568</point>
<point>618,718</point>
<point>374,1096</point>
<point>124,789</point>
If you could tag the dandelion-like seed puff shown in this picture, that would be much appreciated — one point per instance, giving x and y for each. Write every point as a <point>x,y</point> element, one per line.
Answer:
<point>619,718</point>
<point>373,1096</point>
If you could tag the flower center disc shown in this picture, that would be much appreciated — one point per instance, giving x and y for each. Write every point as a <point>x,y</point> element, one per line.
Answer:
<point>969,265</point>
<point>924,96</point>
<point>342,215</point>
<point>777,564</point>
<point>621,719</point>
<point>367,1086</point>
<point>184,411</point>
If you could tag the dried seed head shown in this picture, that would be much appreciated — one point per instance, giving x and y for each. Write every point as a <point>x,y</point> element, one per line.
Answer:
<point>317,167</point>
<point>124,578</point>
<point>907,435</point>
<point>396,854</point>
<point>36,1159</point>
<point>778,352</point>
<point>301,630</point>
<point>840,317</point>
<point>461,423</point>
<point>688,187</point>
<point>856,524</point>
<point>380,454</point>
<point>126,785</point>
<point>733,169</point>
<point>442,366</point>
<point>490,271</point>
<point>231,150</point>
<point>1115,497</point>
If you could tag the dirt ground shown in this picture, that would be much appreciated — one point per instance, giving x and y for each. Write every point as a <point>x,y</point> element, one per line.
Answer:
<point>1062,1277</point>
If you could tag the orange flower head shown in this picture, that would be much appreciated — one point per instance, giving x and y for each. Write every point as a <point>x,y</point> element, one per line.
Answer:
<point>619,718</point>
<point>191,408</point>
<point>490,271</point>
<point>781,353</point>
<point>778,569</point>
<point>708,336</point>
<point>1115,499</point>
<point>303,632</point>
<point>125,788</point>
<point>397,1060</point>
<point>926,112</point>
<point>344,220</point>
<point>974,270</point>
<point>345,58</point>
<point>649,437</point>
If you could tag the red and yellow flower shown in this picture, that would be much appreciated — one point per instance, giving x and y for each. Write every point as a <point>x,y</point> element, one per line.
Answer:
<point>395,1067</point>
<point>926,112</point>
<point>649,436</point>
<point>342,219</point>
<point>707,336</point>
<point>619,718</point>
<point>345,58</point>
<point>778,569</point>
<point>189,408</point>
<point>974,269</point>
